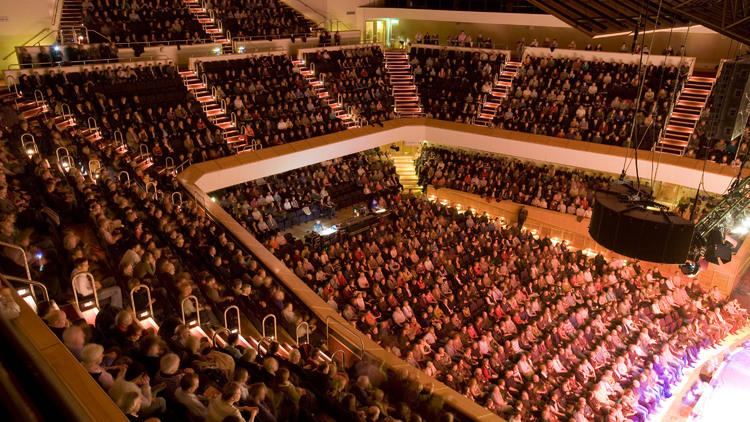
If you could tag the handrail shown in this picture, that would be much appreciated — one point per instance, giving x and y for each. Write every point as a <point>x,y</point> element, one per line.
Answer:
<point>179,196</point>
<point>143,150</point>
<point>30,283</point>
<point>65,161</point>
<point>29,147</point>
<point>95,126</point>
<point>127,176</point>
<point>169,163</point>
<point>94,170</point>
<point>150,312</point>
<point>28,41</point>
<point>25,258</point>
<point>183,165</point>
<point>328,335</point>
<point>20,66</point>
<point>109,40</point>
<point>38,97</point>
<point>197,309</point>
<point>89,278</point>
<point>306,334</point>
<point>343,357</point>
<point>65,111</point>
<point>275,332</point>
<point>238,330</point>
<point>216,333</point>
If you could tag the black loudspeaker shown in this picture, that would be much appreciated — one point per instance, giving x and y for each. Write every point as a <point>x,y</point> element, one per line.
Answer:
<point>731,109</point>
<point>639,230</point>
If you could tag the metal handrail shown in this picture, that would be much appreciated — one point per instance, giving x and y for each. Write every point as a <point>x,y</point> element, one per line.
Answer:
<point>148,296</point>
<point>38,97</point>
<point>29,40</point>
<point>127,176</point>
<point>25,258</point>
<point>306,334</point>
<point>275,332</point>
<point>29,147</point>
<point>216,333</point>
<point>179,196</point>
<point>226,320</point>
<point>169,163</point>
<point>24,66</point>
<point>65,109</point>
<point>95,126</point>
<point>197,309</point>
<point>182,165</point>
<point>143,150</point>
<point>31,284</point>
<point>90,278</point>
<point>328,335</point>
<point>343,357</point>
<point>64,160</point>
<point>95,166</point>
<point>151,184</point>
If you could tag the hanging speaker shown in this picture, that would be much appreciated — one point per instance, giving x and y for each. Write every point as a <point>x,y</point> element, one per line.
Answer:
<point>638,228</point>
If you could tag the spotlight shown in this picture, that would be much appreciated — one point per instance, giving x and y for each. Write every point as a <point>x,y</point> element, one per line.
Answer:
<point>742,227</point>
<point>56,47</point>
<point>690,269</point>
<point>241,49</point>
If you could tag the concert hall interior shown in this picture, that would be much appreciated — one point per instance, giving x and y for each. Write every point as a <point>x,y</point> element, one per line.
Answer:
<point>375,210</point>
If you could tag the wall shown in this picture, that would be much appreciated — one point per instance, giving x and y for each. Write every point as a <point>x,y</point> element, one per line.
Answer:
<point>24,19</point>
<point>343,11</point>
<point>506,29</point>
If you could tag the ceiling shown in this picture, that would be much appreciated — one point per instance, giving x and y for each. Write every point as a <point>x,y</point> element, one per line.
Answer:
<point>600,17</point>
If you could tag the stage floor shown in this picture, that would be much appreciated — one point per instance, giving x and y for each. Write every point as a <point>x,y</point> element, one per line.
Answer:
<point>729,399</point>
<point>723,404</point>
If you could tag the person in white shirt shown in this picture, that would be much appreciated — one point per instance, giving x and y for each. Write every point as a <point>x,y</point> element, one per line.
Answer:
<point>186,396</point>
<point>80,277</point>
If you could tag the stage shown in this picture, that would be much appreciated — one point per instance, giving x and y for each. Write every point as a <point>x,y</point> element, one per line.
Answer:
<point>725,398</point>
<point>728,397</point>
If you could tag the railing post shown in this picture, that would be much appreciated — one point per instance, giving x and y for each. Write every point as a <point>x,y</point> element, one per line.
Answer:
<point>273,318</point>
<point>141,315</point>
<point>235,308</point>
<point>90,279</point>
<point>197,310</point>
<point>23,253</point>
<point>306,333</point>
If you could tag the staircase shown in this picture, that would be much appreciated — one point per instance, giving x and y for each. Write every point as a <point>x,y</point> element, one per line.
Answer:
<point>685,115</point>
<point>338,108</point>
<point>500,91</point>
<point>214,112</point>
<point>211,25</point>
<point>405,96</point>
<point>71,20</point>
<point>407,173</point>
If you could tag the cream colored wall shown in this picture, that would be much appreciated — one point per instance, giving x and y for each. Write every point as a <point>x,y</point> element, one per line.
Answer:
<point>710,47</point>
<point>24,19</point>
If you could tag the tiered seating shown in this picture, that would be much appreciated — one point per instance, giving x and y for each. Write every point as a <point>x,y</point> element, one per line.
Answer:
<point>452,83</point>
<point>356,79</point>
<point>498,178</point>
<point>146,109</point>
<point>152,21</point>
<point>590,101</point>
<point>268,207</point>
<point>262,19</point>
<point>273,103</point>
<point>523,325</point>
<point>133,232</point>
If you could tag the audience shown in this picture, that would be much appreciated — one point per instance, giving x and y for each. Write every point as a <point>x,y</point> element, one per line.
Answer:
<point>273,102</point>
<point>524,326</point>
<point>262,19</point>
<point>145,21</point>
<point>359,79</point>
<point>453,83</point>
<point>268,206</point>
<point>589,101</point>
<point>499,178</point>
